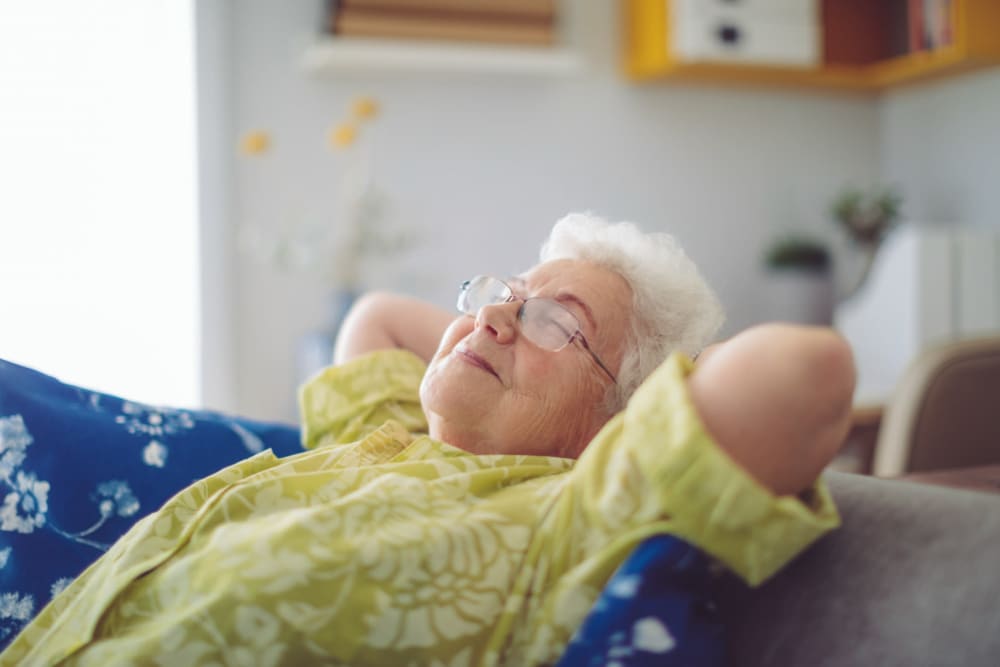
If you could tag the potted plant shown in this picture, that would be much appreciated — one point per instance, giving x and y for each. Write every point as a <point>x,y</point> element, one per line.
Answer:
<point>866,218</point>
<point>798,280</point>
<point>798,253</point>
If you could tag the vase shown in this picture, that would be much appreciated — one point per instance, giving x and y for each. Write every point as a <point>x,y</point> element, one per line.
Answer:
<point>315,348</point>
<point>799,295</point>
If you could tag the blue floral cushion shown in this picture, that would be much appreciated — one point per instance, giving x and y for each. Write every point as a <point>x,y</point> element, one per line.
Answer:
<point>659,609</point>
<point>78,468</point>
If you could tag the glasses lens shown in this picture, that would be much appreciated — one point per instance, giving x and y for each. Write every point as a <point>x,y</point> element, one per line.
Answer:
<point>481,291</point>
<point>547,324</point>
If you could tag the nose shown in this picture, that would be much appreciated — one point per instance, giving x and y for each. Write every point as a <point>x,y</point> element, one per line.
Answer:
<point>500,321</point>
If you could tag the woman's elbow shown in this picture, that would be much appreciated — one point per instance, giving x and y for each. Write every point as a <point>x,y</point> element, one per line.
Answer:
<point>836,365</point>
<point>365,327</point>
<point>834,381</point>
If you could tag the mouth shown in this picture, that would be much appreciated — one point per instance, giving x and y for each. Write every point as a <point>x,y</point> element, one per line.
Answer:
<point>471,357</point>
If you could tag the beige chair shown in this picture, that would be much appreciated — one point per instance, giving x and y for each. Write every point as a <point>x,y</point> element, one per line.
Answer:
<point>945,413</point>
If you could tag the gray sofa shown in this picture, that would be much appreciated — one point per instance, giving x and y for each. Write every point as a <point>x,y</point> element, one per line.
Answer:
<point>911,578</point>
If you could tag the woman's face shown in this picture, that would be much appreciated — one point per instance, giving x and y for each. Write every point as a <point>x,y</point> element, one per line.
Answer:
<point>490,390</point>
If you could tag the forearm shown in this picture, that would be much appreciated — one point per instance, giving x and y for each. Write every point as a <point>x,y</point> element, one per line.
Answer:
<point>381,320</point>
<point>777,399</point>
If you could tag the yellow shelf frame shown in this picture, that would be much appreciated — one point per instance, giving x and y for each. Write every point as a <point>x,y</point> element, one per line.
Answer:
<point>976,45</point>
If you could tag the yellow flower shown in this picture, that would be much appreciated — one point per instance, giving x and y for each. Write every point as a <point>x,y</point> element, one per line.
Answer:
<point>256,142</point>
<point>343,135</point>
<point>364,108</point>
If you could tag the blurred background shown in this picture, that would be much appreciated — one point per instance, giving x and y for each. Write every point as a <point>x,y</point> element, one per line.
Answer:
<point>180,179</point>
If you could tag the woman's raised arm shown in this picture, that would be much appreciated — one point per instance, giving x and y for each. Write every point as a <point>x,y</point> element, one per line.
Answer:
<point>777,398</point>
<point>381,320</point>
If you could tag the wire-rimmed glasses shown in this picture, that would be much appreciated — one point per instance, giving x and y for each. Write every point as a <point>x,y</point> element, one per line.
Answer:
<point>545,322</point>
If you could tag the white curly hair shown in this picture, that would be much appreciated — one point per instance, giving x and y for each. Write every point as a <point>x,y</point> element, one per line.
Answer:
<point>673,308</point>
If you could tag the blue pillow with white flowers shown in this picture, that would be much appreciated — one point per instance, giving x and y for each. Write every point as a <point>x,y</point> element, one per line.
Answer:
<point>658,610</point>
<point>78,468</point>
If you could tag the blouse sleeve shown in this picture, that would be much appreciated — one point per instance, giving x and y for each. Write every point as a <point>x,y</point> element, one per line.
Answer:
<point>345,403</point>
<point>656,464</point>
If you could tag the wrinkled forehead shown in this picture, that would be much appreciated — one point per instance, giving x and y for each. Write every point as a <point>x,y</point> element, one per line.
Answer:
<point>575,274</point>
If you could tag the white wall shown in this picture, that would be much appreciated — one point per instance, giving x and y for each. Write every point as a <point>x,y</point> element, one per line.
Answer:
<point>941,144</point>
<point>214,100</point>
<point>98,228</point>
<point>486,165</point>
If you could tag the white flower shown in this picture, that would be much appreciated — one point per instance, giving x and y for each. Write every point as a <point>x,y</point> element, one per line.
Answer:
<point>154,422</point>
<point>14,440</point>
<point>24,508</point>
<point>650,635</point>
<point>625,586</point>
<point>4,556</point>
<point>154,454</point>
<point>115,497</point>
<point>59,585</point>
<point>18,607</point>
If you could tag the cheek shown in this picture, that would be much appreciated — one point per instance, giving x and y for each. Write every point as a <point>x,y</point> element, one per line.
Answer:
<point>442,385</point>
<point>455,332</point>
<point>557,407</point>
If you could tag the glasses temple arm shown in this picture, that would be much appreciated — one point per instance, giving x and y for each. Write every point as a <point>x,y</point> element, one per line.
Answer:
<point>594,356</point>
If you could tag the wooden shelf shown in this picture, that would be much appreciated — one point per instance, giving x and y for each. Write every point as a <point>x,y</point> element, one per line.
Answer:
<point>922,66</point>
<point>334,55</point>
<point>976,44</point>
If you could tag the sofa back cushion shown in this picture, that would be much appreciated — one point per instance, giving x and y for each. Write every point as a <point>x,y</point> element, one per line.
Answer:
<point>911,578</point>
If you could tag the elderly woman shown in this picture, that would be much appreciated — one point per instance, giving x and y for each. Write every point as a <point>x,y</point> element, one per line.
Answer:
<point>473,482</point>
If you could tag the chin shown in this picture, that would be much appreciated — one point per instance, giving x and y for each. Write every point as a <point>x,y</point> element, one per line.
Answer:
<point>456,393</point>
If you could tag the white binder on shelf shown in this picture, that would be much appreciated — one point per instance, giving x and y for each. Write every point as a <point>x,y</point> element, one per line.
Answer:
<point>784,33</point>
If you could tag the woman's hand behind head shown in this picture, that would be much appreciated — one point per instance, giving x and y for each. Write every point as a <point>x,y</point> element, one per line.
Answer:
<point>385,321</point>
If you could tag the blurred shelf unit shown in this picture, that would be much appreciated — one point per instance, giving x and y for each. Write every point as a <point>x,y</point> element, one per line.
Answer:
<point>332,55</point>
<point>477,36</point>
<point>861,45</point>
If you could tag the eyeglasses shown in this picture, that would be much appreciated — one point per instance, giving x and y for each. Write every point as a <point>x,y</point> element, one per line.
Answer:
<point>545,322</point>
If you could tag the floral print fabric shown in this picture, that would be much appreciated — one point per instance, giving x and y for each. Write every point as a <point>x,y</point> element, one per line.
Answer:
<point>659,610</point>
<point>78,468</point>
<point>398,549</point>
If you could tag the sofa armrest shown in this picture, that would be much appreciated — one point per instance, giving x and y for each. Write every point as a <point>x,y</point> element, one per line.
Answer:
<point>912,577</point>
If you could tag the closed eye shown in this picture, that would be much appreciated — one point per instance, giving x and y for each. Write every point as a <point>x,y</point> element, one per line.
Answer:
<point>559,325</point>
<point>581,306</point>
